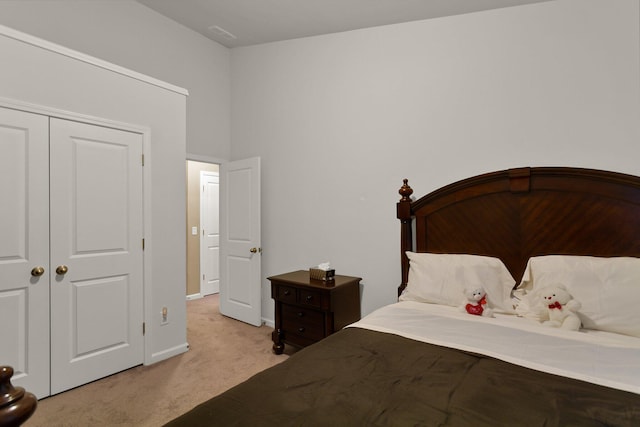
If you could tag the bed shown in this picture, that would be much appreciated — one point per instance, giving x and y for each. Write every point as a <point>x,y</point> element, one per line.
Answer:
<point>425,361</point>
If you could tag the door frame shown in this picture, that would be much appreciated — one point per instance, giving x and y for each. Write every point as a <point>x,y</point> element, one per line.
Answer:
<point>221,163</point>
<point>214,161</point>
<point>148,357</point>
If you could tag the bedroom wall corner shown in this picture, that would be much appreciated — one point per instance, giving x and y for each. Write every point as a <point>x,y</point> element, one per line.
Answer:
<point>134,36</point>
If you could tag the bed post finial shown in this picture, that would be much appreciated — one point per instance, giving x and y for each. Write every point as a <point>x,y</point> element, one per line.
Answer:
<point>405,191</point>
<point>16,404</point>
<point>406,241</point>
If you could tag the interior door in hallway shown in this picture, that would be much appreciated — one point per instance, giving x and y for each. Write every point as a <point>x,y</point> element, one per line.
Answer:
<point>210,226</point>
<point>96,252</point>
<point>24,248</point>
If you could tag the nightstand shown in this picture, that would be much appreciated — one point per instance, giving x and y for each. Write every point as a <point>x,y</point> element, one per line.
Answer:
<point>308,310</point>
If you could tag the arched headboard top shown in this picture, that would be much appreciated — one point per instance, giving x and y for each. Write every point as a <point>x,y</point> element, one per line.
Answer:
<point>519,213</point>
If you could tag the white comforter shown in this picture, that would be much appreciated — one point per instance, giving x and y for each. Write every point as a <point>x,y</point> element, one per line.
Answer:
<point>598,357</point>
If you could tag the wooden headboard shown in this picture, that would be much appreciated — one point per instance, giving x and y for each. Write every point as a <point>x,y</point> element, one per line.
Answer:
<point>519,213</point>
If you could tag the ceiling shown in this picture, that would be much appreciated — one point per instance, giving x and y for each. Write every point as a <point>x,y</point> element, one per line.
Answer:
<point>235,23</point>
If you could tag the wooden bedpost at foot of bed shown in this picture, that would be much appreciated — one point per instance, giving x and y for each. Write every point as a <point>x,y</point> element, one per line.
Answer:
<point>16,405</point>
<point>278,345</point>
<point>406,242</point>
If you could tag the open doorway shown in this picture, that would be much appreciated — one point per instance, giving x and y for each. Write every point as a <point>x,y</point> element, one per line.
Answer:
<point>202,234</point>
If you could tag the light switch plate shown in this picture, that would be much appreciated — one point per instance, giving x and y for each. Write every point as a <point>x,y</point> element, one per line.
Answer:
<point>194,231</point>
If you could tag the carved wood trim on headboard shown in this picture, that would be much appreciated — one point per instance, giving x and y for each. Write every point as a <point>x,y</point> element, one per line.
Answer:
<point>518,213</point>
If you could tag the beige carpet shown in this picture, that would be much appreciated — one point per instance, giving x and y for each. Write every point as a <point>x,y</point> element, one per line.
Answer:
<point>223,352</point>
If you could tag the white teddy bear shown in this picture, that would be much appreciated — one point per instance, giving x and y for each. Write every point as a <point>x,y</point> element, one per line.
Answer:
<point>561,306</point>
<point>476,302</point>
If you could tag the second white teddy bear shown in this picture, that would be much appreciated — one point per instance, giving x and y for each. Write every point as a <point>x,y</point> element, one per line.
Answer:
<point>562,308</point>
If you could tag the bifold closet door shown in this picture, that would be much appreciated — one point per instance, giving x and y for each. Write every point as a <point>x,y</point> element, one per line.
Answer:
<point>96,252</point>
<point>71,285</point>
<point>24,248</point>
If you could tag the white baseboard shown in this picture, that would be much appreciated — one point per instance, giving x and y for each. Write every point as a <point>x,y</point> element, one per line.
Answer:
<point>269,322</point>
<point>166,354</point>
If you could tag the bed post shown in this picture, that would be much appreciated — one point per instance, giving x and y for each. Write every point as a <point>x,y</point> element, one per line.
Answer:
<point>406,236</point>
<point>16,404</point>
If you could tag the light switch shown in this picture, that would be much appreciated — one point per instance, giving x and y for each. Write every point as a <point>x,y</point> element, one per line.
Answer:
<point>194,231</point>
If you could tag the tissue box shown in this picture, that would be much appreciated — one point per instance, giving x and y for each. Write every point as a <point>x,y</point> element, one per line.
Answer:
<point>317,274</point>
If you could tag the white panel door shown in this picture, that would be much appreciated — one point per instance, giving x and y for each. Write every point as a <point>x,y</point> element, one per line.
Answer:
<point>210,237</point>
<point>240,264</point>
<point>96,252</point>
<point>24,246</point>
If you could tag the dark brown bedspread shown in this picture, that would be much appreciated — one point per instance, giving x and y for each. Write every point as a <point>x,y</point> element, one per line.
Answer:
<point>358,377</point>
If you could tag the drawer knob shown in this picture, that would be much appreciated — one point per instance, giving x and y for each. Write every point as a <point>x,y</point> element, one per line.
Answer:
<point>286,292</point>
<point>300,314</point>
<point>301,329</point>
<point>309,297</point>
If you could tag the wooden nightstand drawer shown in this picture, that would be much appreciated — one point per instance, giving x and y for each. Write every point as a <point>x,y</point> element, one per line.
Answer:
<point>312,298</point>
<point>303,316</point>
<point>308,310</point>
<point>303,322</point>
<point>286,293</point>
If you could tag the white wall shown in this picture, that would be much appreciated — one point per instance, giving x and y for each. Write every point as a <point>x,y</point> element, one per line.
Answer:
<point>340,119</point>
<point>131,35</point>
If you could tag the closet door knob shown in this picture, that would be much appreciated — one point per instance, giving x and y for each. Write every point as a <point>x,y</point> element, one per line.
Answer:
<point>62,269</point>
<point>37,271</point>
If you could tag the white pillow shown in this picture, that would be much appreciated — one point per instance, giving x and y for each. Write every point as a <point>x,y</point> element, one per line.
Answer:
<point>530,305</point>
<point>442,278</point>
<point>607,288</point>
